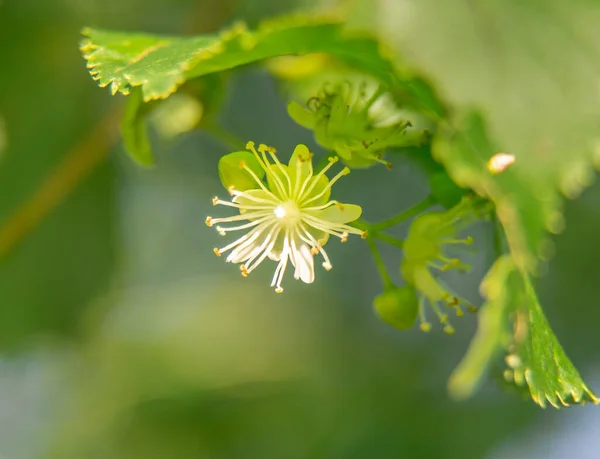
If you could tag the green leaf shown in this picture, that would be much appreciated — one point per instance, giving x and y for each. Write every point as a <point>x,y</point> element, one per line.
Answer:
<point>232,174</point>
<point>539,360</point>
<point>512,319</point>
<point>135,131</point>
<point>526,206</point>
<point>444,190</point>
<point>195,104</point>
<point>160,64</point>
<point>530,69</point>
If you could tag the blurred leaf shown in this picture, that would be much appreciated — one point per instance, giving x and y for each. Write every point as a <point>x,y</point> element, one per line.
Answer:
<point>57,202</point>
<point>3,136</point>
<point>493,331</point>
<point>444,190</point>
<point>531,70</point>
<point>527,207</point>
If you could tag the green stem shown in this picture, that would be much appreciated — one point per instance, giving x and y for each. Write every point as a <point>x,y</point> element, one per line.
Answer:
<point>391,240</point>
<point>385,277</point>
<point>375,234</point>
<point>403,216</point>
<point>224,136</point>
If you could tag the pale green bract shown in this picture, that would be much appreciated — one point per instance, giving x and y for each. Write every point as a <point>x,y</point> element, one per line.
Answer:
<point>289,218</point>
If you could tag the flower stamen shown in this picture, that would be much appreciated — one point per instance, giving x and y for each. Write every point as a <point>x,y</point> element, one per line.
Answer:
<point>316,178</point>
<point>344,171</point>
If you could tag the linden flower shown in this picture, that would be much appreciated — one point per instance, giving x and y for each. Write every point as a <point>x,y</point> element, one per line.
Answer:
<point>290,218</point>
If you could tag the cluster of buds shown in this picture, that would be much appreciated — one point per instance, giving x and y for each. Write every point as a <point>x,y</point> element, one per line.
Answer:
<point>358,121</point>
<point>425,256</point>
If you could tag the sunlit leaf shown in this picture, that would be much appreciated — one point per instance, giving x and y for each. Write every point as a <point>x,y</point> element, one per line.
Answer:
<point>160,64</point>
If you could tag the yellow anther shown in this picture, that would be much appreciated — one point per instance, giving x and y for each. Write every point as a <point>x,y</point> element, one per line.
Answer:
<point>344,236</point>
<point>333,159</point>
<point>244,270</point>
<point>242,164</point>
<point>221,231</point>
<point>471,308</point>
<point>262,148</point>
<point>217,253</point>
<point>279,290</point>
<point>314,251</point>
<point>208,221</point>
<point>346,171</point>
<point>250,145</point>
<point>364,235</point>
<point>327,265</point>
<point>449,329</point>
<point>340,206</point>
<point>231,189</point>
<point>444,318</point>
<point>459,312</point>
<point>469,240</point>
<point>215,200</point>
<point>389,165</point>
<point>425,326</point>
<point>451,300</point>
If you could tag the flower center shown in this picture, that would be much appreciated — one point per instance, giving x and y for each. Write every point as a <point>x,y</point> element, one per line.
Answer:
<point>288,212</point>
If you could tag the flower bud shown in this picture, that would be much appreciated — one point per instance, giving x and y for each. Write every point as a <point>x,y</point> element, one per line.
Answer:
<point>397,307</point>
<point>358,121</point>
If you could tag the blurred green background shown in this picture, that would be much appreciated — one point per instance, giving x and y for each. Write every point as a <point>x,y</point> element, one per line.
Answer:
<point>121,335</point>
